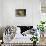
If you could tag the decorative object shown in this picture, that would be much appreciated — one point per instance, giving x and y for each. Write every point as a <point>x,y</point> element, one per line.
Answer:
<point>25,28</point>
<point>41,28</point>
<point>20,12</point>
<point>9,32</point>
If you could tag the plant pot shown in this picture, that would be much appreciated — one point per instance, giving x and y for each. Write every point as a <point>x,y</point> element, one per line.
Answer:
<point>34,43</point>
<point>42,34</point>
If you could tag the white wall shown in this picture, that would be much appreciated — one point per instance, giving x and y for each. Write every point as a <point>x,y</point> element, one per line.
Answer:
<point>36,12</point>
<point>0,12</point>
<point>32,12</point>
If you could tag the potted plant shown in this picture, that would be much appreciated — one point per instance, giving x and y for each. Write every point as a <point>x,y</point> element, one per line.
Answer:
<point>41,27</point>
<point>34,39</point>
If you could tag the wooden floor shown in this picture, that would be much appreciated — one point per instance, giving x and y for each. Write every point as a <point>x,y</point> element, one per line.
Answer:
<point>42,41</point>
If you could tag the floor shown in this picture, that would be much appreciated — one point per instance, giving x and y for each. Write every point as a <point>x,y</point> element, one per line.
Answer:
<point>43,41</point>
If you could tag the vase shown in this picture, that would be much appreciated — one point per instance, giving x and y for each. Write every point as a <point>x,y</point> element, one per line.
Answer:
<point>34,43</point>
<point>42,34</point>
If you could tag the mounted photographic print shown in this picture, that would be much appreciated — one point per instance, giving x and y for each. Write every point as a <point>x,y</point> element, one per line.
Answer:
<point>20,12</point>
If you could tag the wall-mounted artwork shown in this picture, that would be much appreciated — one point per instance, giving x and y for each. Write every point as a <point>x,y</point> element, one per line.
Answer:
<point>20,12</point>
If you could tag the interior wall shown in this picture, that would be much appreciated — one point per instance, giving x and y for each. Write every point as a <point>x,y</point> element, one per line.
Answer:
<point>32,12</point>
<point>36,12</point>
<point>0,12</point>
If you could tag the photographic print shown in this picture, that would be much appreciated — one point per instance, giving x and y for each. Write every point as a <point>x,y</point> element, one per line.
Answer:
<point>20,12</point>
